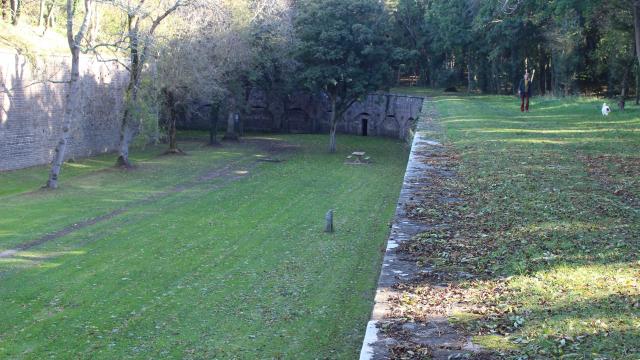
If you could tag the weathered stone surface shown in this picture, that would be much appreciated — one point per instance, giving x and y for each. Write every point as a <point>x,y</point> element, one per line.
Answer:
<point>433,333</point>
<point>378,115</point>
<point>31,112</point>
<point>328,227</point>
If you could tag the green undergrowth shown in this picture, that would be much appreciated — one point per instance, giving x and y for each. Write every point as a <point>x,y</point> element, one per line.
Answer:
<point>216,255</point>
<point>552,225</point>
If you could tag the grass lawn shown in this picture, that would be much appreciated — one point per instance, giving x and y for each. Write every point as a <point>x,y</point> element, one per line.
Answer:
<point>554,236</point>
<point>209,255</point>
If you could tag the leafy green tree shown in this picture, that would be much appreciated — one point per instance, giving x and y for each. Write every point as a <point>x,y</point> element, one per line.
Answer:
<point>450,35</point>
<point>614,55</point>
<point>409,31</point>
<point>272,39</point>
<point>344,51</point>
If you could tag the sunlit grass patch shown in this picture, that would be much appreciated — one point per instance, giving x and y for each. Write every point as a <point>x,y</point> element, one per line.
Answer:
<point>31,179</point>
<point>582,310</point>
<point>554,241</point>
<point>215,255</point>
<point>26,38</point>
<point>462,317</point>
<point>494,342</point>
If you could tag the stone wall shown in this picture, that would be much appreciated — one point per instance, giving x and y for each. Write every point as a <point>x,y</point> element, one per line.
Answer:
<point>378,115</point>
<point>383,115</point>
<point>31,111</point>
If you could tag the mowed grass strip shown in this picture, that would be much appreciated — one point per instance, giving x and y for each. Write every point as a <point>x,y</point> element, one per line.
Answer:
<point>236,269</point>
<point>554,194</point>
<point>93,187</point>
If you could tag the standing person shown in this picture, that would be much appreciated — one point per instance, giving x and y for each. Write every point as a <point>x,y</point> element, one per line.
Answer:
<point>525,91</point>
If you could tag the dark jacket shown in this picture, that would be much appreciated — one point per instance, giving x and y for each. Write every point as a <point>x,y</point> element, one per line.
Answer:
<point>521,88</point>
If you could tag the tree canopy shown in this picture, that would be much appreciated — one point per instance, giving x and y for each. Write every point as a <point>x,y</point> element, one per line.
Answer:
<point>214,52</point>
<point>576,46</point>
<point>344,51</point>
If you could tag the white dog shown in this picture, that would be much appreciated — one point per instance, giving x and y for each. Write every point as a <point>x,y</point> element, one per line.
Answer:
<point>605,109</point>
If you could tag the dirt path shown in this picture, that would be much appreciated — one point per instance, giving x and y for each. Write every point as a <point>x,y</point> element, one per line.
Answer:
<point>230,172</point>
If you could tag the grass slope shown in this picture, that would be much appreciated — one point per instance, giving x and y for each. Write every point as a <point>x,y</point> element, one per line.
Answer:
<point>216,269</point>
<point>555,195</point>
<point>30,40</point>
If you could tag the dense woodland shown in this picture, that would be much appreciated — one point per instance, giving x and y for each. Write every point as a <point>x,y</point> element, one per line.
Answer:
<point>576,46</point>
<point>207,55</point>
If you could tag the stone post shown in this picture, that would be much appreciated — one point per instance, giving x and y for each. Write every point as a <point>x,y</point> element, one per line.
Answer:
<point>329,219</point>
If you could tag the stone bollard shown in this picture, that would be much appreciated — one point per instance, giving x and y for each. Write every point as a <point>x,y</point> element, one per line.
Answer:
<point>232,127</point>
<point>329,218</point>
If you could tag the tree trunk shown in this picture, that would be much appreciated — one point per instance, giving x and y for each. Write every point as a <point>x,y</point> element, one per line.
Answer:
<point>549,82</point>
<point>173,142</point>
<point>71,106</point>
<point>332,138</point>
<point>127,132</point>
<point>213,125</point>
<point>555,84</point>
<point>138,55</point>
<point>624,90</point>
<point>636,23</point>
<point>49,17</point>
<point>231,124</point>
<point>515,72</point>
<point>637,85</point>
<point>468,79</point>
<point>543,72</point>
<point>334,125</point>
<point>171,110</point>
<point>72,99</point>
<point>126,135</point>
<point>4,10</point>
<point>15,11</point>
<point>41,13</point>
<point>94,26</point>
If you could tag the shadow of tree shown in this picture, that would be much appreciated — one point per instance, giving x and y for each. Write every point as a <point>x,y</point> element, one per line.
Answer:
<point>528,252</point>
<point>583,328</point>
<point>32,107</point>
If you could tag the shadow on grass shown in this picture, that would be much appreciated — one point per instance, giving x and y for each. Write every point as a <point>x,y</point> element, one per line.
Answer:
<point>584,328</point>
<point>541,258</point>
